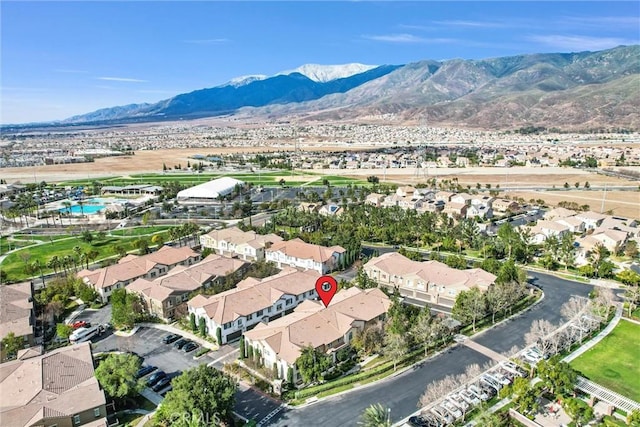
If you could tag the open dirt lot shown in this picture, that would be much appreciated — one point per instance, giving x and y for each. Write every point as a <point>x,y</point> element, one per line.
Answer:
<point>623,203</point>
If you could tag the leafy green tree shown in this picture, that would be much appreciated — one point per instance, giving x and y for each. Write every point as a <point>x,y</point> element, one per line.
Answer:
<point>125,308</point>
<point>375,415</point>
<point>219,335</point>
<point>87,236</point>
<point>290,375</point>
<point>11,344</point>
<point>469,307</point>
<point>203,392</point>
<point>311,364</point>
<point>395,347</point>
<point>422,330</point>
<point>63,330</point>
<point>633,418</point>
<point>368,340</point>
<point>558,376</point>
<point>116,374</point>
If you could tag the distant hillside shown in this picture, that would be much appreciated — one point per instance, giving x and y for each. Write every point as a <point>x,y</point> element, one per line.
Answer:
<point>574,90</point>
<point>583,90</point>
<point>251,91</point>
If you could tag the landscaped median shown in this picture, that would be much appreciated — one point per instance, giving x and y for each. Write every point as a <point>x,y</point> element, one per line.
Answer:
<point>385,368</point>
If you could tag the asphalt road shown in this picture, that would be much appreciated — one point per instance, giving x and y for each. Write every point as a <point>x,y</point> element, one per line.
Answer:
<point>146,342</point>
<point>402,393</point>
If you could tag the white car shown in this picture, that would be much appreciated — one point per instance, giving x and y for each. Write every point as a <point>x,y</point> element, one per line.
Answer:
<point>458,401</point>
<point>512,367</point>
<point>478,392</point>
<point>531,357</point>
<point>490,381</point>
<point>451,408</point>
<point>470,397</point>
<point>502,379</point>
<point>442,415</point>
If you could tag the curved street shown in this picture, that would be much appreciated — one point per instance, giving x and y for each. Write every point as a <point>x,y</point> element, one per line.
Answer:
<point>402,393</point>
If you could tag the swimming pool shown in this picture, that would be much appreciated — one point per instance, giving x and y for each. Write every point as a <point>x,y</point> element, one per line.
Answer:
<point>87,209</point>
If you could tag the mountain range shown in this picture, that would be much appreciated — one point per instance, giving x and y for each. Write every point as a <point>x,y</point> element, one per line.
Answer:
<point>583,90</point>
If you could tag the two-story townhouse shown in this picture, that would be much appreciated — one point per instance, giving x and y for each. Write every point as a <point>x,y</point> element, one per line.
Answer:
<point>329,329</point>
<point>462,198</point>
<point>374,199</point>
<point>429,281</point>
<point>455,210</point>
<point>253,300</point>
<point>233,242</point>
<point>558,213</point>
<point>574,224</point>
<point>17,314</point>
<point>58,388</point>
<point>592,220</point>
<point>405,191</point>
<point>299,254</point>
<point>166,296</point>
<point>105,280</point>
<point>504,206</point>
<point>544,229</point>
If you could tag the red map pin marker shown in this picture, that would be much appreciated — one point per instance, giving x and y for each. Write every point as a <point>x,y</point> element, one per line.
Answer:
<point>326,287</point>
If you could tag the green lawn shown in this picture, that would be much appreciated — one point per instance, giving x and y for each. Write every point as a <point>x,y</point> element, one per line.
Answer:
<point>7,244</point>
<point>613,362</point>
<point>14,263</point>
<point>140,231</point>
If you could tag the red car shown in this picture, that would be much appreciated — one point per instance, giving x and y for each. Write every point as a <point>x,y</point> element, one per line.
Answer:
<point>80,324</point>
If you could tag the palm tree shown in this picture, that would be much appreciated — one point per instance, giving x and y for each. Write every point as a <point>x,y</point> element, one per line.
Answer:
<point>54,263</point>
<point>376,415</point>
<point>67,205</point>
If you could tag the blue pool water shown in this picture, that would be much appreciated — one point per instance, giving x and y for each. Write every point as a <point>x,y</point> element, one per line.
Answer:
<point>87,209</point>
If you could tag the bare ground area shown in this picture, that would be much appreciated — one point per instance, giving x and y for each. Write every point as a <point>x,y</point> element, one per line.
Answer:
<point>623,203</point>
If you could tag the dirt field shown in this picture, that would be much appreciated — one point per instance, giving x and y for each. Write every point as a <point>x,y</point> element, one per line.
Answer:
<point>623,203</point>
<point>626,203</point>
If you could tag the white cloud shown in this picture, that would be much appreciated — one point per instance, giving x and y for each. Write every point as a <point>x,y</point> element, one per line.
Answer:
<point>580,43</point>
<point>122,79</point>
<point>207,41</point>
<point>406,38</point>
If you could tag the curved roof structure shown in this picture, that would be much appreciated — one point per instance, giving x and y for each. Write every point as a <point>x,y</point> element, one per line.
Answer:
<point>210,190</point>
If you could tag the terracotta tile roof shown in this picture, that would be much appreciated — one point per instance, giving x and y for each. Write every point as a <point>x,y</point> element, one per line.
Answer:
<point>300,249</point>
<point>58,384</point>
<point>133,266</point>
<point>313,324</point>
<point>252,295</point>
<point>238,237</point>
<point>433,272</point>
<point>16,305</point>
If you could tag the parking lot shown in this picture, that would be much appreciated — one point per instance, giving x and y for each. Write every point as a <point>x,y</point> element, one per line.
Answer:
<point>147,343</point>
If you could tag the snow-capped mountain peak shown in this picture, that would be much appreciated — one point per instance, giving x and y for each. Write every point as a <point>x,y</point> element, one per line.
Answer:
<point>326,73</point>
<point>245,80</point>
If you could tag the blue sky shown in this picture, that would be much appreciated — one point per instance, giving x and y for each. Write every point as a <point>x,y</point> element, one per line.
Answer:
<point>60,59</point>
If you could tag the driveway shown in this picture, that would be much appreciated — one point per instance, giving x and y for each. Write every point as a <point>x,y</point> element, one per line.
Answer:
<point>95,316</point>
<point>402,393</point>
<point>147,343</point>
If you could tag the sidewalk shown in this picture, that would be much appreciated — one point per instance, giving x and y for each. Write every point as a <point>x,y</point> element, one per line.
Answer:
<point>595,340</point>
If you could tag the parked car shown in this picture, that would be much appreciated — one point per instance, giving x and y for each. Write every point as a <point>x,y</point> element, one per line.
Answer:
<point>515,369</point>
<point>444,416</point>
<point>190,346</point>
<point>154,378</point>
<point>145,370</point>
<point>451,408</point>
<point>502,379</point>
<point>469,397</point>
<point>181,343</point>
<point>162,383</point>
<point>490,381</point>
<point>80,324</point>
<point>419,421</point>
<point>531,357</point>
<point>459,402</point>
<point>479,392</point>
<point>168,339</point>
